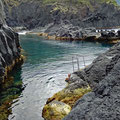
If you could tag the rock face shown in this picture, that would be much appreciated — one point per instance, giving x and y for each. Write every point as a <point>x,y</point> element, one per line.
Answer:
<point>67,30</point>
<point>33,14</point>
<point>9,47</point>
<point>2,14</point>
<point>103,75</point>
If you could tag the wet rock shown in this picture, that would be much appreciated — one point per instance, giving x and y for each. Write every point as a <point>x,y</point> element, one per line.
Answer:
<point>103,76</point>
<point>10,50</point>
<point>118,32</point>
<point>68,31</point>
<point>108,34</point>
<point>55,110</point>
<point>68,96</point>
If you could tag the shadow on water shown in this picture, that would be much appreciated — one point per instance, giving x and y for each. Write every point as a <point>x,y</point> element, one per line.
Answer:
<point>10,90</point>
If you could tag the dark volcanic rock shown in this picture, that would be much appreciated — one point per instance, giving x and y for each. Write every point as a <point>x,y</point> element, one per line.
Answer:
<point>70,31</point>
<point>33,14</point>
<point>103,75</point>
<point>9,46</point>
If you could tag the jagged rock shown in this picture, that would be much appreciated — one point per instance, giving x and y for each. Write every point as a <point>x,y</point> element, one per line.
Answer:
<point>118,32</point>
<point>70,31</point>
<point>33,14</point>
<point>75,90</point>
<point>9,47</point>
<point>108,34</point>
<point>103,76</point>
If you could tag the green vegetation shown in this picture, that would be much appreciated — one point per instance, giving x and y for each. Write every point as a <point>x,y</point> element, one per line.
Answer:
<point>60,104</point>
<point>12,3</point>
<point>62,5</point>
<point>70,97</point>
<point>9,90</point>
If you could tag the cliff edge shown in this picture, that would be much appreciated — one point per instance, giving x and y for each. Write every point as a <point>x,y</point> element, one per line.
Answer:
<point>10,50</point>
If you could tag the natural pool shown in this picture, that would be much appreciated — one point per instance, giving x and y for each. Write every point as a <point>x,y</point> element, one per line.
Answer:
<point>44,71</point>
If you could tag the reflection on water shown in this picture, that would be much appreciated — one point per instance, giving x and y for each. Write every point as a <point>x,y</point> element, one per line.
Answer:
<point>10,90</point>
<point>47,65</point>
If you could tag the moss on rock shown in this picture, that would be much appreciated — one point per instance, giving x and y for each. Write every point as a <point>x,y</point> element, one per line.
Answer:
<point>56,110</point>
<point>58,106</point>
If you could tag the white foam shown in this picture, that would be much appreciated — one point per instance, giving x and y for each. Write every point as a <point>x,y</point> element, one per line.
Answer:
<point>22,32</point>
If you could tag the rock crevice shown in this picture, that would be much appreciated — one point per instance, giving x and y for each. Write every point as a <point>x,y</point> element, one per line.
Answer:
<point>10,50</point>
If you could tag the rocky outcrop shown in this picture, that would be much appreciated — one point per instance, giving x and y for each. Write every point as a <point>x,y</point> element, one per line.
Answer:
<point>69,32</point>
<point>10,50</point>
<point>10,58</point>
<point>2,13</point>
<point>103,77</point>
<point>66,98</point>
<point>56,110</point>
<point>33,14</point>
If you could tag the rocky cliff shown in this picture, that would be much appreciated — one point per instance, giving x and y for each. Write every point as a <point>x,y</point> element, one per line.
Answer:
<point>102,103</point>
<point>10,50</point>
<point>103,75</point>
<point>88,13</point>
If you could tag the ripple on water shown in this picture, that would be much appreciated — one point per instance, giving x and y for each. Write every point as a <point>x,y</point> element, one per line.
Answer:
<point>47,65</point>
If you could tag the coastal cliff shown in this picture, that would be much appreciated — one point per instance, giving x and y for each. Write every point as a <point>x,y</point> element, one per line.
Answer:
<point>88,13</point>
<point>10,57</point>
<point>93,92</point>
<point>66,20</point>
<point>10,50</point>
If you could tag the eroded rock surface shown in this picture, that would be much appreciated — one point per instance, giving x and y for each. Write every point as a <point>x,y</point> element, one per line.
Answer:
<point>88,13</point>
<point>103,75</point>
<point>9,47</point>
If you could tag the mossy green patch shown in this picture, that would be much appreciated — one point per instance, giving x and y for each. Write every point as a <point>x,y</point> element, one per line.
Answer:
<point>60,104</point>
<point>56,110</point>
<point>63,5</point>
<point>9,90</point>
<point>70,97</point>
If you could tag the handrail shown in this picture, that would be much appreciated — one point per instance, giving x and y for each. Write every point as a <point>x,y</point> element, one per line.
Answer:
<point>75,60</point>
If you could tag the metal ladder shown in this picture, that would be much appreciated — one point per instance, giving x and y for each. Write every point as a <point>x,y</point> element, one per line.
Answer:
<point>75,60</point>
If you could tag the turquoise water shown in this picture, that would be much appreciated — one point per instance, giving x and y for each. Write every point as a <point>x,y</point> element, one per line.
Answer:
<point>45,69</point>
<point>118,2</point>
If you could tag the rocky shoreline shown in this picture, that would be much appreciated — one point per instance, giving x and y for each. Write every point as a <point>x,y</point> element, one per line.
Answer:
<point>74,33</point>
<point>10,58</point>
<point>10,49</point>
<point>92,93</point>
<point>100,80</point>
<point>10,52</point>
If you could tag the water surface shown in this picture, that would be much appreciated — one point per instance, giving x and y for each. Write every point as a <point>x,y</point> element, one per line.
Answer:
<point>44,72</point>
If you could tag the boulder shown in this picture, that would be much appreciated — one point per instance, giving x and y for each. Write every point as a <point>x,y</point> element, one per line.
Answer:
<point>55,110</point>
<point>118,32</point>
